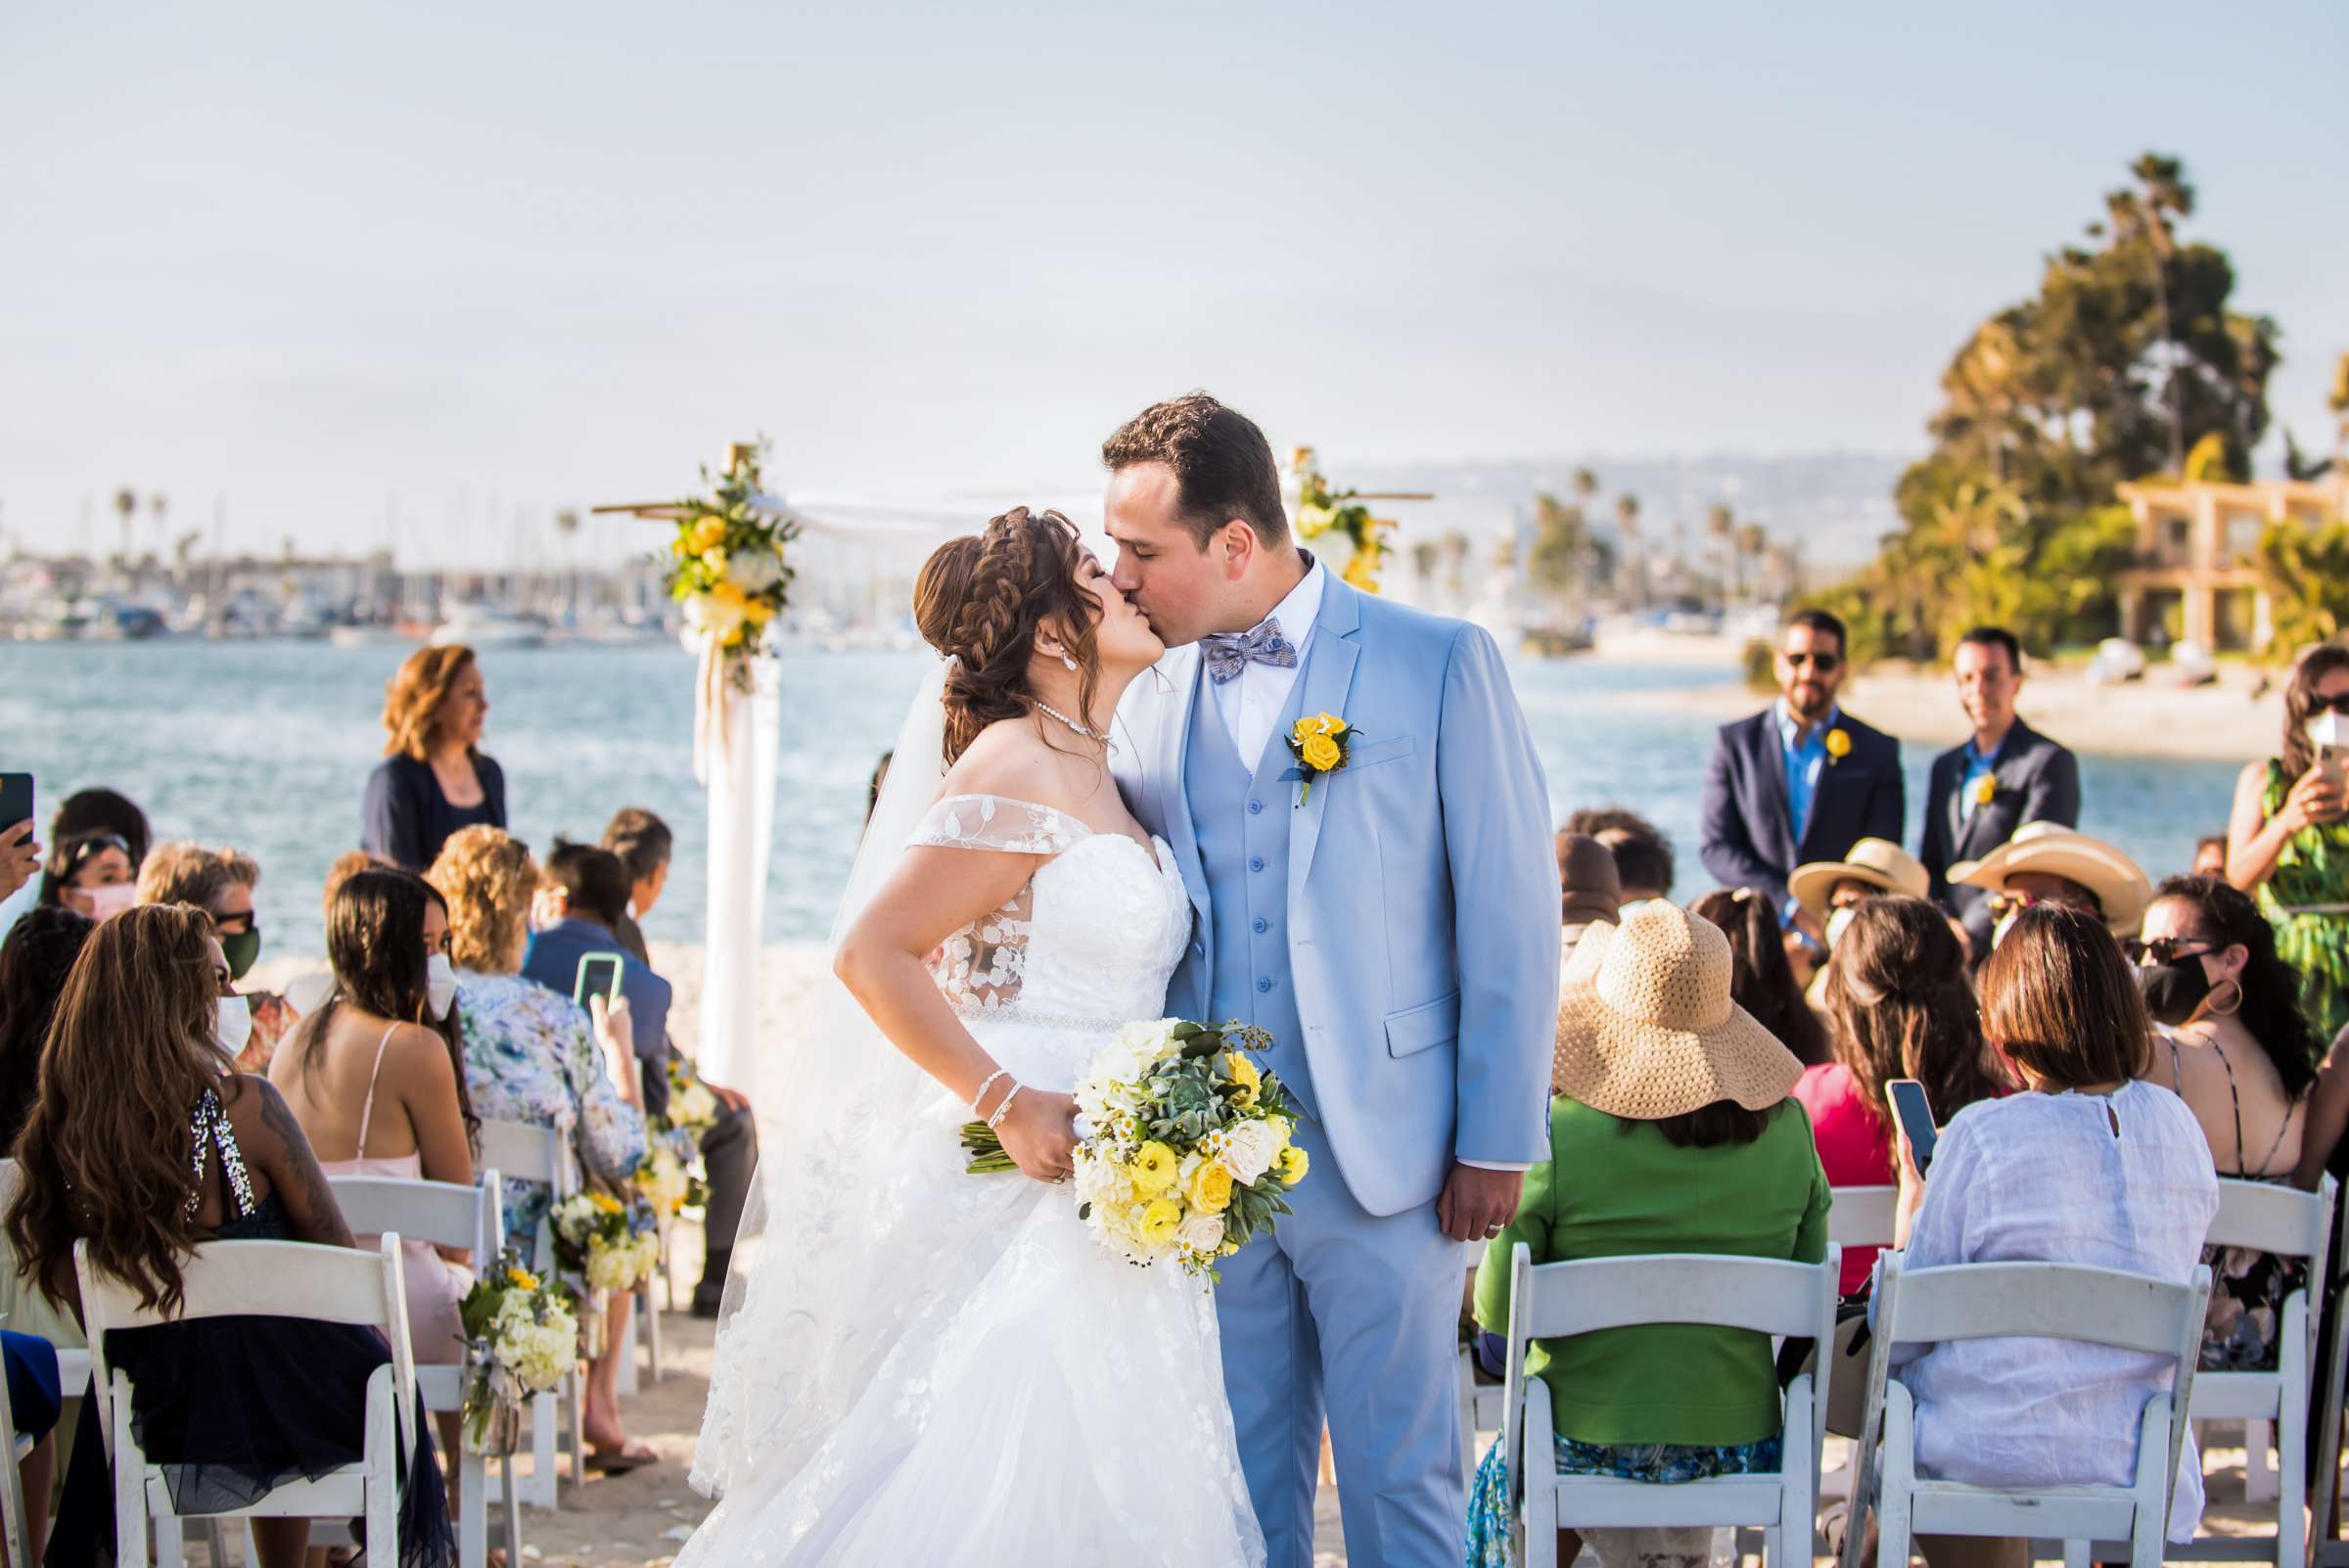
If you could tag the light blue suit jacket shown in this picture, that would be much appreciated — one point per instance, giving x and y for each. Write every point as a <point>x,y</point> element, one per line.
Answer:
<point>1422,894</point>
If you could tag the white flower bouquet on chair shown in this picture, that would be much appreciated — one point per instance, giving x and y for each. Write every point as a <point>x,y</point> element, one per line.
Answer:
<point>1185,1149</point>
<point>522,1336</point>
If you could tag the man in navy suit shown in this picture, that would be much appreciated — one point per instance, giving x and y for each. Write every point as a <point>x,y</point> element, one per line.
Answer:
<point>590,896</point>
<point>1982,791</point>
<point>1800,781</point>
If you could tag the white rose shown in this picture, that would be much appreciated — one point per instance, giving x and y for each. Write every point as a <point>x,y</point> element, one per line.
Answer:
<point>1203,1234</point>
<point>755,571</point>
<point>1248,1151</point>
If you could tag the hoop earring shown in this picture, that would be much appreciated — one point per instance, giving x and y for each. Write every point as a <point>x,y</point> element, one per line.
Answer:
<point>2235,999</point>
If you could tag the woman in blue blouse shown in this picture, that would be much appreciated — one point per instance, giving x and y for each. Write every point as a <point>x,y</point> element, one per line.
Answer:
<point>434,779</point>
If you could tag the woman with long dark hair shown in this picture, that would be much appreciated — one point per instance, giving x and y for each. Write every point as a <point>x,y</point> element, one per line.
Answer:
<point>144,1147</point>
<point>375,1075</point>
<point>2287,842</point>
<point>1763,982</point>
<point>1898,1006</point>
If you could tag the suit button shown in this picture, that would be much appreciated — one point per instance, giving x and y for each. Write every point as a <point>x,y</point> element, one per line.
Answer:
<point>1256,862</point>
<point>1262,984</point>
<point>1255,807</point>
<point>1262,925</point>
<point>1198,949</point>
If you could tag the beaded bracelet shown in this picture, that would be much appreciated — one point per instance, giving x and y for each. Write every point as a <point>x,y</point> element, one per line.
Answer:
<point>984,1084</point>
<point>996,1120</point>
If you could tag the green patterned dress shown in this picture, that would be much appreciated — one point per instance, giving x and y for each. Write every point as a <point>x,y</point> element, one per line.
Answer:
<point>2312,870</point>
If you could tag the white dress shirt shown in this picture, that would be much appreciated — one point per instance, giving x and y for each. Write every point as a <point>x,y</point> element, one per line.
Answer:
<point>1249,704</point>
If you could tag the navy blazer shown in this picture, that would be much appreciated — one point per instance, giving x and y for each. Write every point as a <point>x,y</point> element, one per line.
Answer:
<point>2038,781</point>
<point>407,818</point>
<point>552,961</point>
<point>1747,838</point>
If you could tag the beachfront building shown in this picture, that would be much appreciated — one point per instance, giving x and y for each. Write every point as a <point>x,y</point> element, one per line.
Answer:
<point>2196,574</point>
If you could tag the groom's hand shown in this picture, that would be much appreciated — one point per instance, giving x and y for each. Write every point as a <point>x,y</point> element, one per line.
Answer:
<point>1476,1203</point>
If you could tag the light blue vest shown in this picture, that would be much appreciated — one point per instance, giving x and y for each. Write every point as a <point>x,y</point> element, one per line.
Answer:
<point>1242,825</point>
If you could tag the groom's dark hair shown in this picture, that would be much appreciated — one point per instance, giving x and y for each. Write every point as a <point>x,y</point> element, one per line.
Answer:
<point>1223,464</point>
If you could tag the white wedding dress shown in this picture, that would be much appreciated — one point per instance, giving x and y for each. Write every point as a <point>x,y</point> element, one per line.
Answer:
<point>927,1367</point>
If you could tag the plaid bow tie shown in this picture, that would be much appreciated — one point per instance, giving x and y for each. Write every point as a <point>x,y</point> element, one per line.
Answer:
<point>1227,653</point>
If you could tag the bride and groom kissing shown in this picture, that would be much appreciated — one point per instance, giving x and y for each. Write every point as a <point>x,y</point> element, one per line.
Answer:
<point>919,1365</point>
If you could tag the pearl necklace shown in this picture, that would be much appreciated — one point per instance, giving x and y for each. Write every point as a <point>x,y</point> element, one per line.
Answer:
<point>1098,737</point>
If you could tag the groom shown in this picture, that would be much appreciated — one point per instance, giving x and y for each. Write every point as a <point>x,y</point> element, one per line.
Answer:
<point>1397,933</point>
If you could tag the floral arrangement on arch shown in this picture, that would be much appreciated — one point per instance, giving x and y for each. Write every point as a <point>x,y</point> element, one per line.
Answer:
<point>1323,513</point>
<point>725,562</point>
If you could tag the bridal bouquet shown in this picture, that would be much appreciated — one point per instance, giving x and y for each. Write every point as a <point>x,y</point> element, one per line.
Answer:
<point>1185,1148</point>
<point>520,1336</point>
<point>598,1239</point>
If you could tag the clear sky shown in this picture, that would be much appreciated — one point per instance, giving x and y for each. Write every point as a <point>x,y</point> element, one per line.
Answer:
<point>298,260</point>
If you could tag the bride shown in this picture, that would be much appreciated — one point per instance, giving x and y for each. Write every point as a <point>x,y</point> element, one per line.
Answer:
<point>917,1366</point>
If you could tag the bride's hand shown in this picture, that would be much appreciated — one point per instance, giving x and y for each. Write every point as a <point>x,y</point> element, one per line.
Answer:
<point>1039,1133</point>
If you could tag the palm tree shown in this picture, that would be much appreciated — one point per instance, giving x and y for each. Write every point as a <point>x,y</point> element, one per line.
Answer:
<point>1723,525</point>
<point>1635,567</point>
<point>1752,538</point>
<point>126,506</point>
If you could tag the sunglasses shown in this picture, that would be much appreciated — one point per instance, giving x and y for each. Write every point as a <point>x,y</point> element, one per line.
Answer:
<point>2338,703</point>
<point>95,845</point>
<point>2006,904</point>
<point>2163,950</point>
<point>1824,662</point>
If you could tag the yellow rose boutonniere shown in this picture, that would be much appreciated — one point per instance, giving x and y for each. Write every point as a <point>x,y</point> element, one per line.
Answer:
<point>1986,789</point>
<point>1839,744</point>
<point>1321,746</point>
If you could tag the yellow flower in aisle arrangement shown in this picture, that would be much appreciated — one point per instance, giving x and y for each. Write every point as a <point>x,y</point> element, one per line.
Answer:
<point>664,1182</point>
<point>726,561</point>
<point>521,1337</point>
<point>1182,1144</point>
<point>1838,745</point>
<point>604,1243</point>
<point>1323,514</point>
<point>1321,746</point>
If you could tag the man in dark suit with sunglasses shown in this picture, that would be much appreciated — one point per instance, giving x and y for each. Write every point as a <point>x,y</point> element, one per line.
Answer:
<point>1800,781</point>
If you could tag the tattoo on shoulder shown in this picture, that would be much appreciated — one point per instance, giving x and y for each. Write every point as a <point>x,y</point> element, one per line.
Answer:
<point>307,1185</point>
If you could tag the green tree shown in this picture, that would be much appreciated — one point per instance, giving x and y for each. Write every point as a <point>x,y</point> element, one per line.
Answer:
<point>1560,547</point>
<point>2306,571</point>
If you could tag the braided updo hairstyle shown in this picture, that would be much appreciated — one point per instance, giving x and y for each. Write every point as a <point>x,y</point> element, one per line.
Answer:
<point>982,599</point>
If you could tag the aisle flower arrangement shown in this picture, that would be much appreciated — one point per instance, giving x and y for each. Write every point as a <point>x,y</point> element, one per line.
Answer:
<point>604,1242</point>
<point>522,1336</point>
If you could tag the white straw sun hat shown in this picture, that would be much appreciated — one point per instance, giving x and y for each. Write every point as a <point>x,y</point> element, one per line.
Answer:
<point>1647,1029</point>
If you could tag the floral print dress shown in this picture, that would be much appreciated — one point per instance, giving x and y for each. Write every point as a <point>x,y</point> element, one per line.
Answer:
<point>531,1056</point>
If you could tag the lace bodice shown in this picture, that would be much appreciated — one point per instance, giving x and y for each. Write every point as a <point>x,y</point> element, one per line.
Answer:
<point>1089,940</point>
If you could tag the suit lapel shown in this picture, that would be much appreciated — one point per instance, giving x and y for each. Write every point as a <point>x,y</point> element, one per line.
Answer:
<point>1327,676</point>
<point>1769,767</point>
<point>1169,751</point>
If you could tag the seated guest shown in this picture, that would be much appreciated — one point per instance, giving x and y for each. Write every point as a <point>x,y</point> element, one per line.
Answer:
<point>1642,853</point>
<point>2093,1167</point>
<point>583,903</point>
<point>1763,982</point>
<point>229,1407</point>
<point>1590,889</point>
<point>375,1075</point>
<point>531,1055</point>
<point>39,953</point>
<point>1829,890</point>
<point>1898,1006</point>
<point>2233,1045</point>
<point>1672,1132</point>
<point>731,1148</point>
<point>91,875</point>
<point>2046,862</point>
<point>1800,781</point>
<point>2004,775</point>
<point>433,779</point>
<point>2210,855</point>
<point>220,882</point>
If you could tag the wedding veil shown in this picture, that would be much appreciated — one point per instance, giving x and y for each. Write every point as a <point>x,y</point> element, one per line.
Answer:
<point>815,1292</point>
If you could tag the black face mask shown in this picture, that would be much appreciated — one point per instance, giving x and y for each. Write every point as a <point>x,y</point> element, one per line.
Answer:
<point>2173,991</point>
<point>241,948</point>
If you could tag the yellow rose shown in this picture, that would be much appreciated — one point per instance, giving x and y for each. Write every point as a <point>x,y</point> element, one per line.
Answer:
<point>709,533</point>
<point>1210,1190</point>
<point>714,558</point>
<point>607,1203</point>
<point>522,1280</point>
<point>1152,1169</point>
<point>759,611</point>
<point>731,596</point>
<point>680,547</point>
<point>1986,789</point>
<point>1321,753</point>
<point>1159,1218</point>
<point>1839,744</point>
<point>1244,1073</point>
<point>1292,1164</point>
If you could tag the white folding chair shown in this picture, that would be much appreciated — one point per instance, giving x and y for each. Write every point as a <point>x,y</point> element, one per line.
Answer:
<point>2289,1223</point>
<point>1863,1216</point>
<point>2041,1300</point>
<point>445,1215</point>
<point>1482,1405</point>
<point>294,1279</point>
<point>1764,1296</point>
<point>522,1151</point>
<point>72,1360</point>
<point>11,1485</point>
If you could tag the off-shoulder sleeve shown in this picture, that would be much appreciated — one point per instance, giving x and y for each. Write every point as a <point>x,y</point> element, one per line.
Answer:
<point>996,822</point>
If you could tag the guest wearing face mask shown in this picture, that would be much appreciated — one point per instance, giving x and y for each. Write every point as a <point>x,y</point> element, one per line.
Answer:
<point>1829,890</point>
<point>2232,1044</point>
<point>375,1075</point>
<point>2287,842</point>
<point>220,882</point>
<point>92,874</point>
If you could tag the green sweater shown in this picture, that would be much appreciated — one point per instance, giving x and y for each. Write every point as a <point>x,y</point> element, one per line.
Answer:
<point>1612,1187</point>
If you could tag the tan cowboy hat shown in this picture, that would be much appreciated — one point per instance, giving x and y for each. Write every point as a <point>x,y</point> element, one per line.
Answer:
<point>2053,850</point>
<point>1880,863</point>
<point>1647,1029</point>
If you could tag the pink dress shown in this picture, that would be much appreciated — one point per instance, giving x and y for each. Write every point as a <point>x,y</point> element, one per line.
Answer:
<point>435,1330</point>
<point>1852,1150</point>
